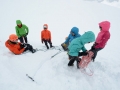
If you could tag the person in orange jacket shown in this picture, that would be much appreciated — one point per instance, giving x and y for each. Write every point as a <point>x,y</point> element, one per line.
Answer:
<point>46,36</point>
<point>16,47</point>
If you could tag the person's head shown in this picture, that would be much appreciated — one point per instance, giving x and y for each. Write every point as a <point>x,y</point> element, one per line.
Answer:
<point>19,23</point>
<point>74,31</point>
<point>45,26</point>
<point>104,26</point>
<point>88,37</point>
<point>13,38</point>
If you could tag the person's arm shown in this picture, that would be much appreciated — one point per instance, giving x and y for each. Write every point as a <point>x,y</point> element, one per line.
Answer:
<point>84,49</point>
<point>14,49</point>
<point>17,31</point>
<point>17,51</point>
<point>50,35</point>
<point>67,40</point>
<point>27,29</point>
<point>105,38</point>
<point>41,36</point>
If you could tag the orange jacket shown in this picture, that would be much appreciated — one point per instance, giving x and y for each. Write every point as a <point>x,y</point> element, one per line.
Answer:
<point>15,48</point>
<point>45,34</point>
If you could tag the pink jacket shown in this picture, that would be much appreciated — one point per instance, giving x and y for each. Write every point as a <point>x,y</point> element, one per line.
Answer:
<point>103,35</point>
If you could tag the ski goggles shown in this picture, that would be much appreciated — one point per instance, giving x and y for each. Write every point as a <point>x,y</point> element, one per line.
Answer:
<point>44,26</point>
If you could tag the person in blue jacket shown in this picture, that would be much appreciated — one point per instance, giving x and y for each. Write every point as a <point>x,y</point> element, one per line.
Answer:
<point>78,44</point>
<point>74,33</point>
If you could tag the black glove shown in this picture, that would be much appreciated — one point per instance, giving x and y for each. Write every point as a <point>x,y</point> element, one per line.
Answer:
<point>23,45</point>
<point>26,34</point>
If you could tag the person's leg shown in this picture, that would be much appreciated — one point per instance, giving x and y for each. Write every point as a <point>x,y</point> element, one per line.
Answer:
<point>45,41</point>
<point>25,38</point>
<point>95,51</point>
<point>21,39</point>
<point>50,43</point>
<point>29,47</point>
<point>72,59</point>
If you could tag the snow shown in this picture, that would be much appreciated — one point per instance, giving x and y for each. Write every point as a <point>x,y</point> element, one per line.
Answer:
<point>54,74</point>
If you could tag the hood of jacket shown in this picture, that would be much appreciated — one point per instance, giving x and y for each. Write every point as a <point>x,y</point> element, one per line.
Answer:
<point>87,37</point>
<point>105,25</point>
<point>75,30</point>
<point>18,22</point>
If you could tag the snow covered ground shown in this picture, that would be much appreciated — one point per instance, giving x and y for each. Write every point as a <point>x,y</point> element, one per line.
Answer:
<point>54,74</point>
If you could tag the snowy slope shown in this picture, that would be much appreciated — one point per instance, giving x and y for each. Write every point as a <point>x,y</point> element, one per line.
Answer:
<point>52,74</point>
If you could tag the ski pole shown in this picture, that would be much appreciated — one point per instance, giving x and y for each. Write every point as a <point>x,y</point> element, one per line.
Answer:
<point>56,54</point>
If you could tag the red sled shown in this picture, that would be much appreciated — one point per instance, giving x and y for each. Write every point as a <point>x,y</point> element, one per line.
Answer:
<point>85,60</point>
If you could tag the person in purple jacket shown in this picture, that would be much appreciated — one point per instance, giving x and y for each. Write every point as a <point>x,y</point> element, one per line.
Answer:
<point>102,38</point>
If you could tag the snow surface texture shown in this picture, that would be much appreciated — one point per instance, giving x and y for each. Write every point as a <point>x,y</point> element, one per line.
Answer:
<point>54,74</point>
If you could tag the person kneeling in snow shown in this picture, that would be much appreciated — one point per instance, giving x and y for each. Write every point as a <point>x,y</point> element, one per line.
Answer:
<point>74,33</point>
<point>16,47</point>
<point>102,38</point>
<point>78,44</point>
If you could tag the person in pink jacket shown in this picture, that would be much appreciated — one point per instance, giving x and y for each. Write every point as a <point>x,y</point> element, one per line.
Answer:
<point>102,38</point>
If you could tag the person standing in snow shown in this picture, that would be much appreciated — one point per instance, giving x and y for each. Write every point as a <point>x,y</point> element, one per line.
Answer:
<point>16,47</point>
<point>21,31</point>
<point>74,33</point>
<point>102,38</point>
<point>46,36</point>
<point>78,44</point>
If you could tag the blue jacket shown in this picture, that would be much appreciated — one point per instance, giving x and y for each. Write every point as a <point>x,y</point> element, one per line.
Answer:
<point>78,44</point>
<point>75,30</point>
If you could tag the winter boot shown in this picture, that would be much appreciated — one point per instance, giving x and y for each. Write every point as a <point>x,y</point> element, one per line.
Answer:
<point>33,51</point>
<point>51,46</point>
<point>47,47</point>
<point>78,61</point>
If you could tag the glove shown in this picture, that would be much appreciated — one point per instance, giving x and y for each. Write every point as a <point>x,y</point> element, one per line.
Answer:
<point>25,34</point>
<point>64,45</point>
<point>25,45</point>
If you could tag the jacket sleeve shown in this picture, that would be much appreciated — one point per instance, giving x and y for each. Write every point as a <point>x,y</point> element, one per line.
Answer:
<point>41,35</point>
<point>67,40</point>
<point>6,44</point>
<point>15,50</point>
<point>50,35</point>
<point>27,29</point>
<point>83,49</point>
<point>105,38</point>
<point>17,31</point>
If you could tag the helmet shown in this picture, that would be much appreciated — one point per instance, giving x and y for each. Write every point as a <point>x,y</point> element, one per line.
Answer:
<point>45,26</point>
<point>13,37</point>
